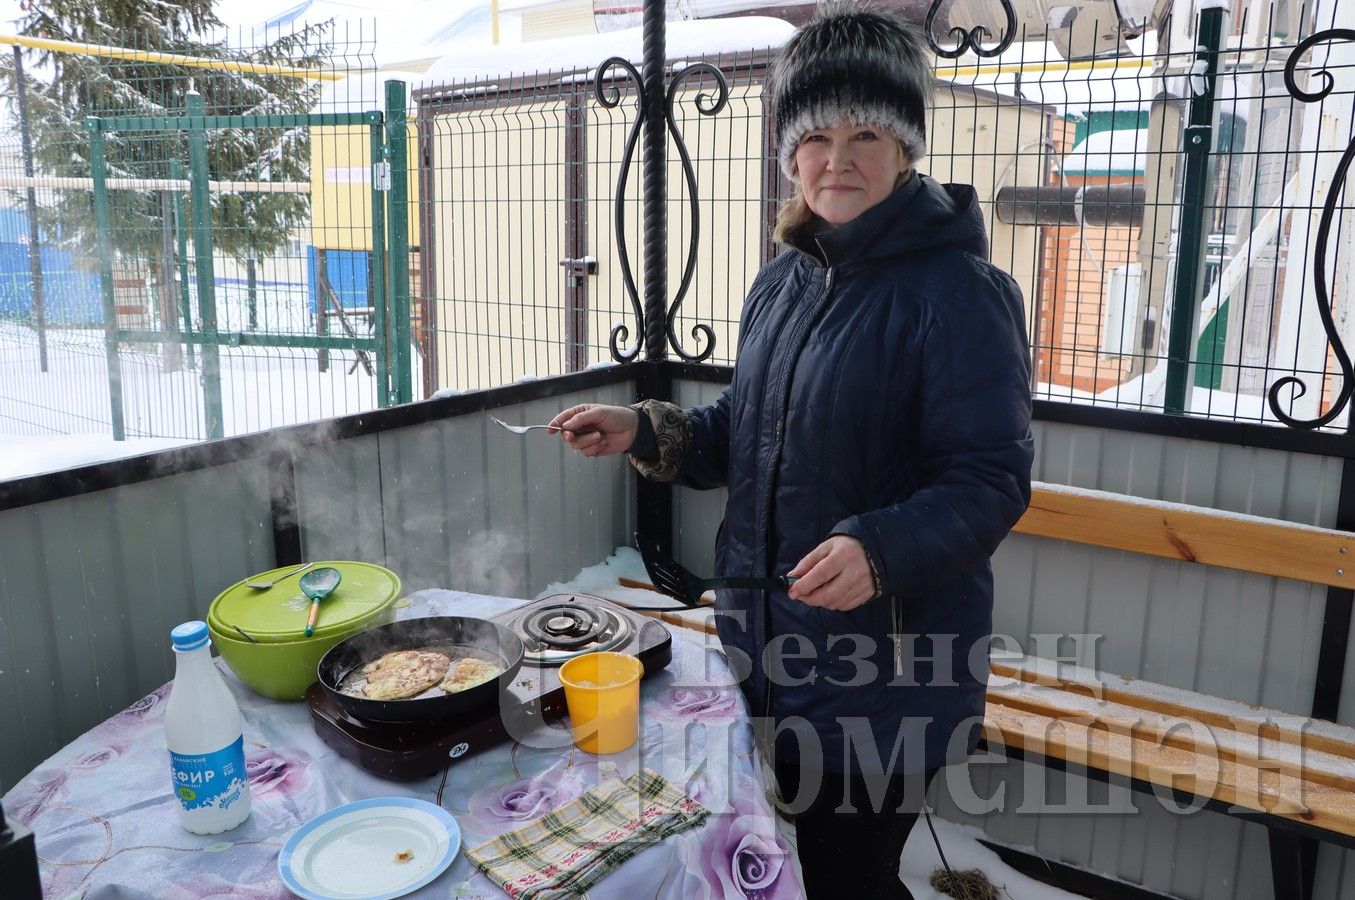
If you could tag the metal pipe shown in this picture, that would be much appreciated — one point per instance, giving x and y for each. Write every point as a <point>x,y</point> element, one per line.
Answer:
<point>655,183</point>
<point>174,59</point>
<point>34,245</point>
<point>76,183</point>
<point>576,232</point>
<point>1097,205</point>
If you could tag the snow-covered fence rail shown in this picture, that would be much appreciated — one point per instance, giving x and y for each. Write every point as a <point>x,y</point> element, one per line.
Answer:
<point>23,182</point>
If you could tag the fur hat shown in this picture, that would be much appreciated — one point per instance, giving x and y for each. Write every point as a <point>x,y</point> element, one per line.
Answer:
<point>854,63</point>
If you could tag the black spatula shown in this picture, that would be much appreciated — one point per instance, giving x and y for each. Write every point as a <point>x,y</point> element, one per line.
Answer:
<point>677,582</point>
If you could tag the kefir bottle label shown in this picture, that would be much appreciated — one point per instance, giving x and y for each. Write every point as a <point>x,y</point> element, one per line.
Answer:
<point>210,780</point>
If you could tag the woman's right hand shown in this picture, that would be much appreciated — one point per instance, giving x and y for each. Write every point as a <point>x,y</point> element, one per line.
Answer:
<point>597,430</point>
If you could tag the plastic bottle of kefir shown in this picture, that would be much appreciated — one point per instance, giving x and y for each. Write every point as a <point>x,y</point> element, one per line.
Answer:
<point>205,739</point>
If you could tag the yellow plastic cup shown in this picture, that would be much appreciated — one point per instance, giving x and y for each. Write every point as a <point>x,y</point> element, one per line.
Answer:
<point>602,691</point>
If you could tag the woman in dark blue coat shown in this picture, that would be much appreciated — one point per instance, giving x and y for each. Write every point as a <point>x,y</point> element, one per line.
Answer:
<point>875,443</point>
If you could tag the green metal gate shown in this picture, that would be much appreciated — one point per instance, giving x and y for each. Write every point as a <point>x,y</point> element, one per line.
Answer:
<point>187,204</point>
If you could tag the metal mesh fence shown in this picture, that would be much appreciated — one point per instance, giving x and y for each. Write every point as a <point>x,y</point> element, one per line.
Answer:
<point>1107,234</point>
<point>1079,166</point>
<point>1081,160</point>
<point>263,262</point>
<point>521,262</point>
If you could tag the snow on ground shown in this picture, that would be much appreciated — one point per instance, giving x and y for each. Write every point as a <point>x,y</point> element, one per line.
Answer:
<point>262,388</point>
<point>20,456</point>
<point>963,851</point>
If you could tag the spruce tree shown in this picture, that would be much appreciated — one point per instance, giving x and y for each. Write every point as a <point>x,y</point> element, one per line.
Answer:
<point>64,88</point>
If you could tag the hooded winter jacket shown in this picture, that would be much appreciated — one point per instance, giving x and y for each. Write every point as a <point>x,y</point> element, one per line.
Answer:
<point>881,391</point>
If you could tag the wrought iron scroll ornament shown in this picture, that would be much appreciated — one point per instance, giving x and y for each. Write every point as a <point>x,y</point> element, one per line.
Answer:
<point>970,40</point>
<point>1320,288</point>
<point>610,97</point>
<point>700,332</point>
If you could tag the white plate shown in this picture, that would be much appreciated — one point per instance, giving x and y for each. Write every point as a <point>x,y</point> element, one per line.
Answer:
<point>349,852</point>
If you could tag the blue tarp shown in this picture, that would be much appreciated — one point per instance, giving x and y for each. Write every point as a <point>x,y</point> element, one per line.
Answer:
<point>70,291</point>
<point>347,271</point>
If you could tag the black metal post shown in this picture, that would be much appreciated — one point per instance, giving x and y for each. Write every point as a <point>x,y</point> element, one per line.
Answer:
<point>34,247</point>
<point>655,182</point>
<point>1195,192</point>
<point>282,509</point>
<point>18,861</point>
<point>654,499</point>
<point>1293,862</point>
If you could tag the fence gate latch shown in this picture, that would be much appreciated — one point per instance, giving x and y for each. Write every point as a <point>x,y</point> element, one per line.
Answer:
<point>577,269</point>
<point>381,176</point>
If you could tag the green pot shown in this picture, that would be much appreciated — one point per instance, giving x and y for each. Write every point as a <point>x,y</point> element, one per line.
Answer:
<point>283,663</point>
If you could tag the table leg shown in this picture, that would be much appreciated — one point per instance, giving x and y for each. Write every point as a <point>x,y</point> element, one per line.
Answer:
<point>18,861</point>
<point>1293,864</point>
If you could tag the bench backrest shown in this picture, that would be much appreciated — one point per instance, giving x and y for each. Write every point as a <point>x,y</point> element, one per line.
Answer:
<point>1191,533</point>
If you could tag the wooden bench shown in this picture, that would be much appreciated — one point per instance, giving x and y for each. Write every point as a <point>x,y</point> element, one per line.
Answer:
<point>1290,772</point>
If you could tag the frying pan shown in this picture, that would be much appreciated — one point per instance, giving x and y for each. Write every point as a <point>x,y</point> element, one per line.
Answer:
<point>434,632</point>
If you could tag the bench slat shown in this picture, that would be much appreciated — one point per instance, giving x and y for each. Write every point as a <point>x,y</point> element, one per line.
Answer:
<point>1104,688</point>
<point>1178,531</point>
<point>1260,790</point>
<point>1237,748</point>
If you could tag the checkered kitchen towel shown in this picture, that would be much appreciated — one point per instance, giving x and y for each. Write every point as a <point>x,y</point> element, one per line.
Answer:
<point>569,850</point>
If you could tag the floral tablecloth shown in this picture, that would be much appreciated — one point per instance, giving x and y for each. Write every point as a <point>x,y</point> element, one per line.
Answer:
<point>106,825</point>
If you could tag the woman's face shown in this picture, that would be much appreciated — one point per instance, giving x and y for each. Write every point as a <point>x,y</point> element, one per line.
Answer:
<point>847,169</point>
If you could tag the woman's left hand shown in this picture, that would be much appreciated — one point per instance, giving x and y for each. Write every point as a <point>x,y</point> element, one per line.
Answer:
<point>835,575</point>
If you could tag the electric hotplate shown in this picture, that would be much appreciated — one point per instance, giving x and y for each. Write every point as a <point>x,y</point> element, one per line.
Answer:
<point>553,629</point>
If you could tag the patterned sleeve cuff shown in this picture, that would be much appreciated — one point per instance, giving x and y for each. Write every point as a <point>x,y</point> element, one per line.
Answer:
<point>672,432</point>
<point>870,561</point>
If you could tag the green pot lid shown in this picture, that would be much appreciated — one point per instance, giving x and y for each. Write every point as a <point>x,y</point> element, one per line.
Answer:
<point>279,613</point>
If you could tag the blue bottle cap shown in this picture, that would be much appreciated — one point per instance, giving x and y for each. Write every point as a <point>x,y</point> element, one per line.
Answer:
<point>189,636</point>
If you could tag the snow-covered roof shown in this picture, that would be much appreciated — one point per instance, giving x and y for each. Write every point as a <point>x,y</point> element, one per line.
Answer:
<point>1117,152</point>
<point>362,92</point>
<point>403,30</point>
<point>685,40</point>
<point>696,9</point>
